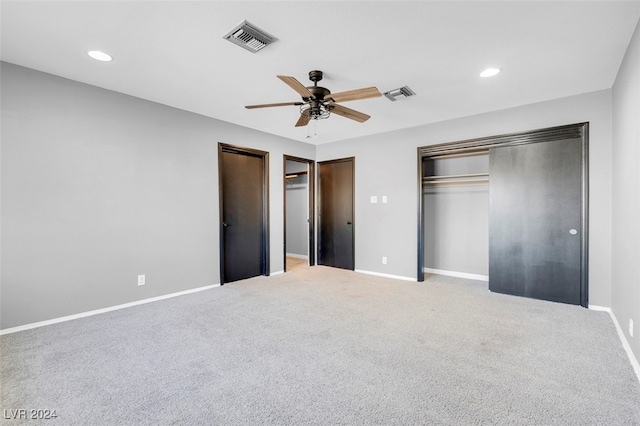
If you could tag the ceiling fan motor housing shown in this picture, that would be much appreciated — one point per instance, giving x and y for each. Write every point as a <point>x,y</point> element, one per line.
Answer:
<point>319,92</point>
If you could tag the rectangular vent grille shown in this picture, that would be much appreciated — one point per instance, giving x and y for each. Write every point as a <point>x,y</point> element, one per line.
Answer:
<point>397,93</point>
<point>250,37</point>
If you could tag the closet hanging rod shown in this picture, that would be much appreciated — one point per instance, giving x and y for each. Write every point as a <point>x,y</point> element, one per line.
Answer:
<point>468,175</point>
<point>456,155</point>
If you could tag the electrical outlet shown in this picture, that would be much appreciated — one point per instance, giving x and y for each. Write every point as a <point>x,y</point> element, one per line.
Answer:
<point>384,260</point>
<point>630,327</point>
<point>384,199</point>
<point>141,280</point>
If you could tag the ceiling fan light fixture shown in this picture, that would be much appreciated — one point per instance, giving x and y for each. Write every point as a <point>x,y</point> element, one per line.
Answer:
<point>319,113</point>
<point>249,37</point>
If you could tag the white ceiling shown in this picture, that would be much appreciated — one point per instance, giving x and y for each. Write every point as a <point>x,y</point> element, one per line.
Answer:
<point>172,52</point>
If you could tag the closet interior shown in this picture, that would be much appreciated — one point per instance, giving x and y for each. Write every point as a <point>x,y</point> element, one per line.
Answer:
<point>455,190</point>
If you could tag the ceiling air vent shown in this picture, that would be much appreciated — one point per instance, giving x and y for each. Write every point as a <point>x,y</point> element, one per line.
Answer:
<point>250,37</point>
<point>394,94</point>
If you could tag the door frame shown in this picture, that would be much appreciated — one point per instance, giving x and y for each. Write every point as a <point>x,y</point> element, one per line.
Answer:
<point>353,204</point>
<point>311,181</point>
<point>264,155</point>
<point>571,131</point>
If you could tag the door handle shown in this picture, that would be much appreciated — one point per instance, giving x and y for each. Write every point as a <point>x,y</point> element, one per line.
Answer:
<point>349,223</point>
<point>225,224</point>
<point>573,231</point>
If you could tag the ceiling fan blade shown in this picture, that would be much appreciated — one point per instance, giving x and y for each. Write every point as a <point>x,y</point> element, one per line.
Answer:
<point>303,120</point>
<point>296,85</point>
<point>354,95</point>
<point>348,113</point>
<point>273,105</point>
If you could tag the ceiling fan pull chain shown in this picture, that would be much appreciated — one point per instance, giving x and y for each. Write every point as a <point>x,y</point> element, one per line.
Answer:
<point>315,129</point>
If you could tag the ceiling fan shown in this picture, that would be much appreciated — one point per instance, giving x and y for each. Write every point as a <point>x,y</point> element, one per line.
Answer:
<point>318,102</point>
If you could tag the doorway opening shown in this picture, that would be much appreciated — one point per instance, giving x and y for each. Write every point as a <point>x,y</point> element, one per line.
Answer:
<point>299,208</point>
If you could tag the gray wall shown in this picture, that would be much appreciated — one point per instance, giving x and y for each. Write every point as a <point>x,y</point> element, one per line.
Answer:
<point>98,187</point>
<point>626,194</point>
<point>386,164</point>
<point>297,210</point>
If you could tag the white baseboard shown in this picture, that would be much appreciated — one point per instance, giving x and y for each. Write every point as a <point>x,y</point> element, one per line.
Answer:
<point>599,308</point>
<point>103,310</point>
<point>395,277</point>
<point>276,273</point>
<point>623,338</point>
<point>297,256</point>
<point>456,274</point>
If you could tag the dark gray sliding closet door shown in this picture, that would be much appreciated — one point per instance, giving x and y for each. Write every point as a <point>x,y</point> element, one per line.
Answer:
<point>535,224</point>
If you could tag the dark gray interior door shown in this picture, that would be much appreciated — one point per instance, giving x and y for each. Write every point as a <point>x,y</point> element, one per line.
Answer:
<point>535,224</point>
<point>243,233</point>
<point>336,225</point>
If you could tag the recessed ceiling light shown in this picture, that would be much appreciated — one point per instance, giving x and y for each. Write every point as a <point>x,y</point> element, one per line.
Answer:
<point>490,72</point>
<point>99,56</point>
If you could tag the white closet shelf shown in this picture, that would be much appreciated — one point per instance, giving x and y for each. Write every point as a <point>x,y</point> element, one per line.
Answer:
<point>465,179</point>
